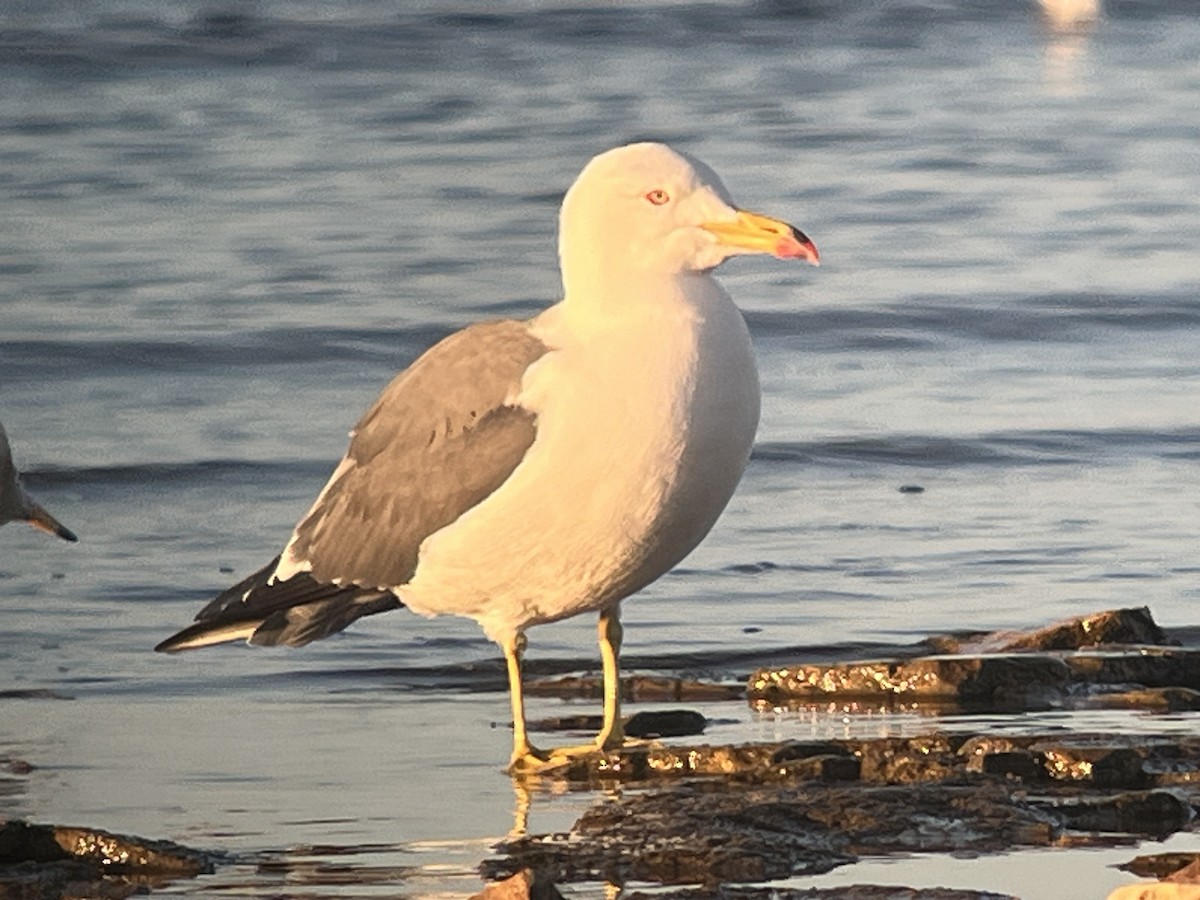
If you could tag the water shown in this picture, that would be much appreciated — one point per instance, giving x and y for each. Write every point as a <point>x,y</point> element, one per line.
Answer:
<point>225,228</point>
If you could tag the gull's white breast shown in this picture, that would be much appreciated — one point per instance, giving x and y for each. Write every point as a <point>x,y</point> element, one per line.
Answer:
<point>646,418</point>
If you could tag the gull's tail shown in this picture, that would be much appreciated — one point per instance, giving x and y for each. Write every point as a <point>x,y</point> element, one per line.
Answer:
<point>292,612</point>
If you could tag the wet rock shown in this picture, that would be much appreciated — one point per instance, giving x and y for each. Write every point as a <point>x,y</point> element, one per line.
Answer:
<point>827,767</point>
<point>1023,765</point>
<point>1003,682</point>
<point>1156,678</point>
<point>664,723</point>
<point>1104,766</point>
<point>931,757</point>
<point>766,811</point>
<point>694,835</point>
<point>21,842</point>
<point>1153,813</point>
<point>1152,667</point>
<point>1114,626</point>
<point>656,761</point>
<point>1066,761</point>
<point>524,885</point>
<point>46,861</point>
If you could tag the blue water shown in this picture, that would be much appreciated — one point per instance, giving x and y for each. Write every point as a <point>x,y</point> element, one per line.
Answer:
<point>226,227</point>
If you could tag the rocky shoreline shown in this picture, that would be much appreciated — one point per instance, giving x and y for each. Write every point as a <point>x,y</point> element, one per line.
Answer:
<point>730,821</point>
<point>712,816</point>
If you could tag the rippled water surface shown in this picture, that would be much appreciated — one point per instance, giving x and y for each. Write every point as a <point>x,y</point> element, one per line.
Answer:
<point>225,227</point>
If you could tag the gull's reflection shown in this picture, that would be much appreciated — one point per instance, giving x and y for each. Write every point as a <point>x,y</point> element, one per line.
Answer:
<point>527,786</point>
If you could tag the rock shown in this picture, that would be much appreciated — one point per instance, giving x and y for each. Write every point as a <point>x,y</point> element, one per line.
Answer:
<point>47,861</point>
<point>995,682</point>
<point>693,834</point>
<point>1155,667</point>
<point>759,812</point>
<point>1104,766</point>
<point>1153,813</point>
<point>1003,673</point>
<point>665,723</point>
<point>1069,762</point>
<point>1114,626</point>
<point>524,885</point>
<point>827,767</point>
<point>21,842</point>
<point>1023,765</point>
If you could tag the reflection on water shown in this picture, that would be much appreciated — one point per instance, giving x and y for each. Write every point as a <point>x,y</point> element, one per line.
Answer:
<point>1070,15</point>
<point>1068,26</point>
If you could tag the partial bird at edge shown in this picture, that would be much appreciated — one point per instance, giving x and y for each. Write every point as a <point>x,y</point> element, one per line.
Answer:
<point>15,502</point>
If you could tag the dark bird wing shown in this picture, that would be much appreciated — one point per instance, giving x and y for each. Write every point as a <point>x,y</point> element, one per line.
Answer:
<point>440,439</point>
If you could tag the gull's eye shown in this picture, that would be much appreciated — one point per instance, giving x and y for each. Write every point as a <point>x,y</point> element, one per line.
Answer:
<point>658,197</point>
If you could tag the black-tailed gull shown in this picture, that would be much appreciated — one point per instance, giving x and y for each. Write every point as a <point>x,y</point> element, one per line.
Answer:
<point>520,472</point>
<point>15,502</point>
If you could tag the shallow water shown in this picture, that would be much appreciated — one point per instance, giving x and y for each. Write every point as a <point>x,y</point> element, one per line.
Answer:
<point>224,231</point>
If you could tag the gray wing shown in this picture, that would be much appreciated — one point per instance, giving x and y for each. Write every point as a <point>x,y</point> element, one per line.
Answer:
<point>440,438</point>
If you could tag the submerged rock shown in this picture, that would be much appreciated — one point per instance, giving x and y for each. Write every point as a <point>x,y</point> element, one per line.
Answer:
<point>644,725</point>
<point>643,688</point>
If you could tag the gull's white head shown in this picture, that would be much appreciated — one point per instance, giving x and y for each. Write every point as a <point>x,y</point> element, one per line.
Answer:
<point>645,209</point>
<point>16,504</point>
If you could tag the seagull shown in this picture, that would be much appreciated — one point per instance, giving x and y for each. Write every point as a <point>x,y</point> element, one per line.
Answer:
<point>522,472</point>
<point>15,502</point>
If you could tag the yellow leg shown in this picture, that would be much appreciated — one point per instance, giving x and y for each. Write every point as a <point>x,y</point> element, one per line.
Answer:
<point>524,753</point>
<point>612,734</point>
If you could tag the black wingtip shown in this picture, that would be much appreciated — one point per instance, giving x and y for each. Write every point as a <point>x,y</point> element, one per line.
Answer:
<point>205,634</point>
